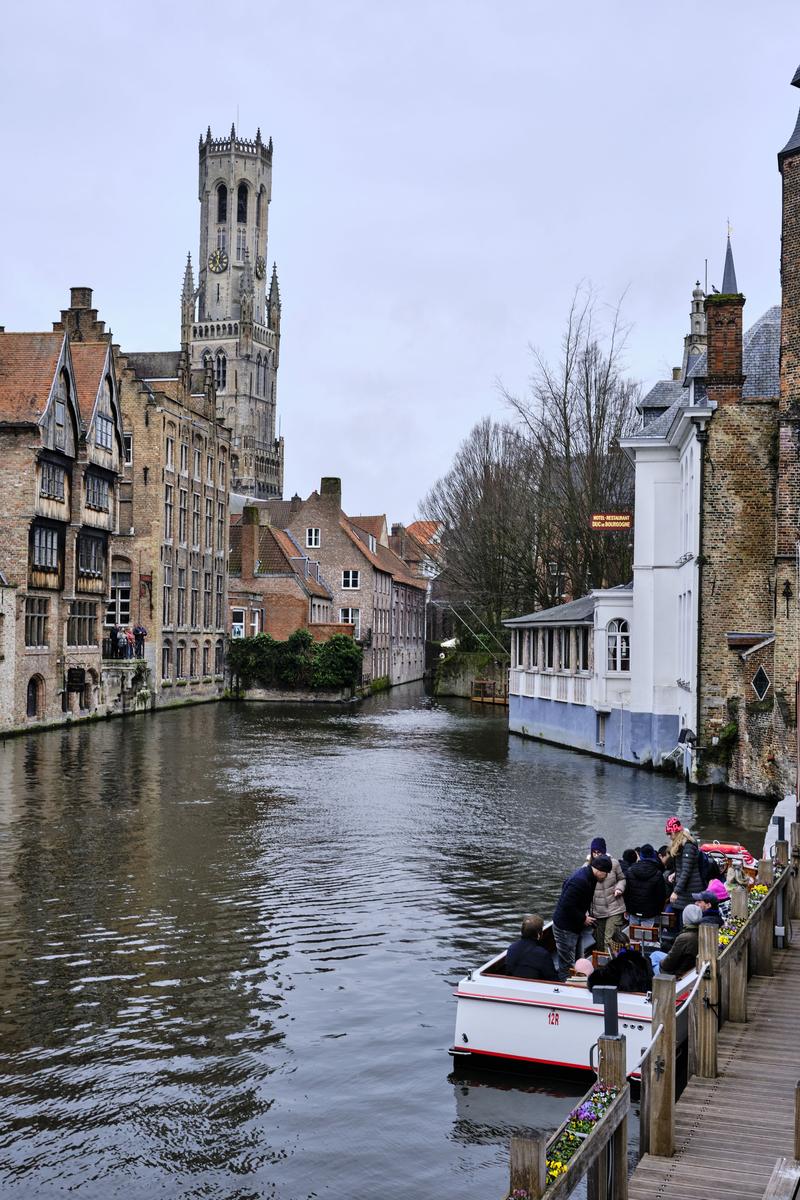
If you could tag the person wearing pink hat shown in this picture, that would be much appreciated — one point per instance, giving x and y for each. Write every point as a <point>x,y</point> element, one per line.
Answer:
<point>686,856</point>
<point>717,888</point>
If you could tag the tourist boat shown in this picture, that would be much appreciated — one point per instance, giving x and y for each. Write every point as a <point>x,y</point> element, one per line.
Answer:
<point>533,1022</point>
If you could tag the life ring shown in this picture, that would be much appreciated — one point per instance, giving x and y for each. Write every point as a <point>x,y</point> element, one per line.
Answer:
<point>729,850</point>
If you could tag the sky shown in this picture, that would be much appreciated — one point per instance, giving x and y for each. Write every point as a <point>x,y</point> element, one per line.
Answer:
<point>445,174</point>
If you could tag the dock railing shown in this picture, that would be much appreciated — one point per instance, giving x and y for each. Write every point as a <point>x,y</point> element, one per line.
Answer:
<point>719,993</point>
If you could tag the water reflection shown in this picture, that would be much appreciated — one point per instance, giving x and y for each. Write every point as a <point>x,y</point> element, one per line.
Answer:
<point>229,935</point>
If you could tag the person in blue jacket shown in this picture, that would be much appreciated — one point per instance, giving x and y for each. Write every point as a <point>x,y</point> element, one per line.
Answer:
<point>571,914</point>
<point>527,958</point>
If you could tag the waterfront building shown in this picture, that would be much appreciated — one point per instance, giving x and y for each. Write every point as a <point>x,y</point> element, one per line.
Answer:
<point>274,586</point>
<point>372,588</point>
<point>61,449</point>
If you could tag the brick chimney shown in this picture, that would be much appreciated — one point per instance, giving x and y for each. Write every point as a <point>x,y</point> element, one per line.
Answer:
<point>331,487</point>
<point>250,528</point>
<point>80,319</point>
<point>724,376</point>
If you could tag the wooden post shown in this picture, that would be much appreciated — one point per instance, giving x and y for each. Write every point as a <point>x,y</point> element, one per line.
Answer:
<point>737,981</point>
<point>661,1064</point>
<point>708,1002</point>
<point>781,922</point>
<point>794,883</point>
<point>766,872</point>
<point>781,854</point>
<point>529,1165</point>
<point>797,1121</point>
<point>612,1073</point>
<point>738,901</point>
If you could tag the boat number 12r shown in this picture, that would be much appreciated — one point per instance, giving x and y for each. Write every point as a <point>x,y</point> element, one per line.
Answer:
<point>552,1018</point>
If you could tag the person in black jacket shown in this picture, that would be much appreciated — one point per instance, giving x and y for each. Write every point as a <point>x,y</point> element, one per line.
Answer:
<point>628,971</point>
<point>526,958</point>
<point>646,892</point>
<point>686,856</point>
<point>571,914</point>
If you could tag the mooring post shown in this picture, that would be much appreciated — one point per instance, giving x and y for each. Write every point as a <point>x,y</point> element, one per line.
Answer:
<point>607,996</point>
<point>794,883</point>
<point>528,1164</point>
<point>611,1073</point>
<point>797,1121</point>
<point>765,925</point>
<point>737,980</point>
<point>738,901</point>
<point>781,860</point>
<point>708,1000</point>
<point>661,1070</point>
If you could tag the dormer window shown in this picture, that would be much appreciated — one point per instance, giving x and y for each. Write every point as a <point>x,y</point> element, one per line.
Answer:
<point>372,543</point>
<point>104,432</point>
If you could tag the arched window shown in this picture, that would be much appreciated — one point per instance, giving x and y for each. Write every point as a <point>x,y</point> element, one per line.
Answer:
<point>35,696</point>
<point>258,375</point>
<point>218,658</point>
<point>259,202</point>
<point>618,640</point>
<point>241,204</point>
<point>222,370</point>
<point>222,204</point>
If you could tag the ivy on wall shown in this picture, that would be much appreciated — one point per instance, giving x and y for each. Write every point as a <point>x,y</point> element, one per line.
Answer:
<point>298,664</point>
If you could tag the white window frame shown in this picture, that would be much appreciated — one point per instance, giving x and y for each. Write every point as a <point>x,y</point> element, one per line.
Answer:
<point>618,647</point>
<point>238,617</point>
<point>313,537</point>
<point>351,616</point>
<point>351,580</point>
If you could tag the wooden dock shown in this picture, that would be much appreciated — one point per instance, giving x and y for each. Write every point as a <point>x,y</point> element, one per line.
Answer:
<point>730,1130</point>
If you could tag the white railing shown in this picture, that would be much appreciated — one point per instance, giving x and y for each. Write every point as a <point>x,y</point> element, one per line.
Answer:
<point>562,687</point>
<point>547,685</point>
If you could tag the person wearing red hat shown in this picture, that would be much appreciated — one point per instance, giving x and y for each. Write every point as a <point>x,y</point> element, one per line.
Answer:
<point>685,854</point>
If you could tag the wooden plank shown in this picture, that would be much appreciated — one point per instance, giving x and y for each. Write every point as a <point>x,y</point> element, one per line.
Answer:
<point>784,1180</point>
<point>707,1000</point>
<point>661,1074</point>
<point>737,983</point>
<point>528,1165</point>
<point>797,1120</point>
<point>592,1147</point>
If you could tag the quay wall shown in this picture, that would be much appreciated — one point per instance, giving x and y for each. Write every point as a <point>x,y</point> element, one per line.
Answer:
<point>638,738</point>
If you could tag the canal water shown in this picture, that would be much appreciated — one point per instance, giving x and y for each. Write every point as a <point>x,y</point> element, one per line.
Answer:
<point>229,937</point>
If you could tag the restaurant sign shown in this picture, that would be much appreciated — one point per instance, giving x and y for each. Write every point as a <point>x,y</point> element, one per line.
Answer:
<point>609,521</point>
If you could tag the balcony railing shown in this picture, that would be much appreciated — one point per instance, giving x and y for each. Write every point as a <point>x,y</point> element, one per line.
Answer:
<point>548,685</point>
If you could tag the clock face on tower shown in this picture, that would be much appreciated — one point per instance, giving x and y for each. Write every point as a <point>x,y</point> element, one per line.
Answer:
<point>218,261</point>
<point>261,267</point>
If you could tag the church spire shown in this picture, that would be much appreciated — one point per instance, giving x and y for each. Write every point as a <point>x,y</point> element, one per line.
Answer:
<point>729,287</point>
<point>188,278</point>
<point>274,301</point>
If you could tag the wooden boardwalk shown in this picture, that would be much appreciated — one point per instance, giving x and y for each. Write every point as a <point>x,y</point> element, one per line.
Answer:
<point>729,1131</point>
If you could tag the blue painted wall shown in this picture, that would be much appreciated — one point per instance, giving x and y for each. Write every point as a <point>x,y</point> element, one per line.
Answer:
<point>629,736</point>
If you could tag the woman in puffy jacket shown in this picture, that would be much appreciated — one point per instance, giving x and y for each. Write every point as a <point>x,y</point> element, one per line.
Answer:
<point>686,856</point>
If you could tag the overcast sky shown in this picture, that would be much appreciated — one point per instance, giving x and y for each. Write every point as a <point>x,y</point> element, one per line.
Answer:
<point>444,175</point>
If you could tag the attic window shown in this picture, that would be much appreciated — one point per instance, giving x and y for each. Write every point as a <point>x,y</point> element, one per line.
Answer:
<point>372,542</point>
<point>761,683</point>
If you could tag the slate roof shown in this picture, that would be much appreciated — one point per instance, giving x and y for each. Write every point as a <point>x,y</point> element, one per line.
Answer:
<point>761,355</point>
<point>154,364</point>
<point>574,612</point>
<point>88,360</point>
<point>793,143</point>
<point>28,364</point>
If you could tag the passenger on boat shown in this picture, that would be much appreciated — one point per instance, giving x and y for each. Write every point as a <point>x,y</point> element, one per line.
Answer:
<point>709,904</point>
<point>683,955</point>
<point>571,915</point>
<point>646,890</point>
<point>718,889</point>
<point>683,849</point>
<point>526,958</point>
<point>628,971</point>
<point>608,905</point>
<point>629,857</point>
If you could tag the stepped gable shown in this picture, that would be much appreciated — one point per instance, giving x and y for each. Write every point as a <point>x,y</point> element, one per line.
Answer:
<point>28,364</point>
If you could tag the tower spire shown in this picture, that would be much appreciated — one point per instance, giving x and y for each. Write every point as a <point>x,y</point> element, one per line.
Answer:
<point>188,296</point>
<point>793,144</point>
<point>729,287</point>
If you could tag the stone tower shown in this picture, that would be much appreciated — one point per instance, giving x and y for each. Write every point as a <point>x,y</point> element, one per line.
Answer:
<point>229,321</point>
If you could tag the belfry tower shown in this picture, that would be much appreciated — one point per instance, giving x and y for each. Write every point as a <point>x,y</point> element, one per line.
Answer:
<point>229,321</point>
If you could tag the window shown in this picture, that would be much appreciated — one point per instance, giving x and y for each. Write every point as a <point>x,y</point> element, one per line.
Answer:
<point>218,660</point>
<point>119,607</point>
<point>313,539</point>
<point>534,647</point>
<point>193,662</point>
<point>351,616</point>
<point>255,622</point>
<point>209,469</point>
<point>550,648</point>
<point>82,623</point>
<point>180,661</point>
<point>222,474</point>
<point>45,548</point>
<point>241,242</point>
<point>619,646</point>
<point>60,418</point>
<point>222,241</point>
<point>259,199</point>
<point>566,649</point>
<point>166,661</point>
<point>127,441</point>
<point>181,595</point>
<point>51,480</point>
<point>90,556</point>
<point>241,204</point>
<point>237,622</point>
<point>167,594</point>
<point>97,492</point>
<point>218,606</point>
<point>209,523</point>
<point>195,598</point>
<point>184,458</point>
<point>103,432</point>
<point>221,371</point>
<point>36,611</point>
<point>351,580</point>
<point>170,453</point>
<point>195,519</point>
<point>582,663</point>
<point>183,501</point>
<point>206,600</point>
<point>35,696</point>
<point>196,471</point>
<point>373,545</point>
<point>222,204</point>
<point>220,526</point>
<point>207,659</point>
<point>168,508</point>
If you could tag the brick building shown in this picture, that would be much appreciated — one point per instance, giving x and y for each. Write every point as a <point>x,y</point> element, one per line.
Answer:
<point>372,588</point>
<point>274,587</point>
<point>61,449</point>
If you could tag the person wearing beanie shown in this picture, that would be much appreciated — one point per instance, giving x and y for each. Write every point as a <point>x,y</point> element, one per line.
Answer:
<point>571,915</point>
<point>646,888</point>
<point>608,904</point>
<point>709,904</point>
<point>683,955</point>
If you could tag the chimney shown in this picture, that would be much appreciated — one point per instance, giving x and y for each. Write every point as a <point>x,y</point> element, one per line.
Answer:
<point>250,538</point>
<point>331,487</point>
<point>80,297</point>
<point>397,530</point>
<point>676,373</point>
<point>724,376</point>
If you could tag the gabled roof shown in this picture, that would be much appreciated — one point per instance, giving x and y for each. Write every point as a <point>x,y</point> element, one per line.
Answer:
<point>662,394</point>
<point>277,555</point>
<point>424,531</point>
<point>575,612</point>
<point>382,558</point>
<point>374,525</point>
<point>88,362</point>
<point>28,364</point>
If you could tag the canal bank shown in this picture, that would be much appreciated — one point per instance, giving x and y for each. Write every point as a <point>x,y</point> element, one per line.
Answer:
<point>229,939</point>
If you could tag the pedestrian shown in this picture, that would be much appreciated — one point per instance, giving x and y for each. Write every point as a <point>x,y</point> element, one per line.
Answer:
<point>571,914</point>
<point>122,643</point>
<point>683,955</point>
<point>139,634</point>
<point>608,904</point>
<point>527,958</point>
<point>685,854</point>
<point>646,887</point>
<point>112,638</point>
<point>129,638</point>
<point>709,904</point>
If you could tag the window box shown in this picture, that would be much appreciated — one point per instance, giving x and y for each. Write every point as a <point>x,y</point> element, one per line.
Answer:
<point>181,682</point>
<point>166,683</point>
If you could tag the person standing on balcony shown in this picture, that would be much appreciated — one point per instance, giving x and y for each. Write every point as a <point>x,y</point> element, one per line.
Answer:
<point>139,634</point>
